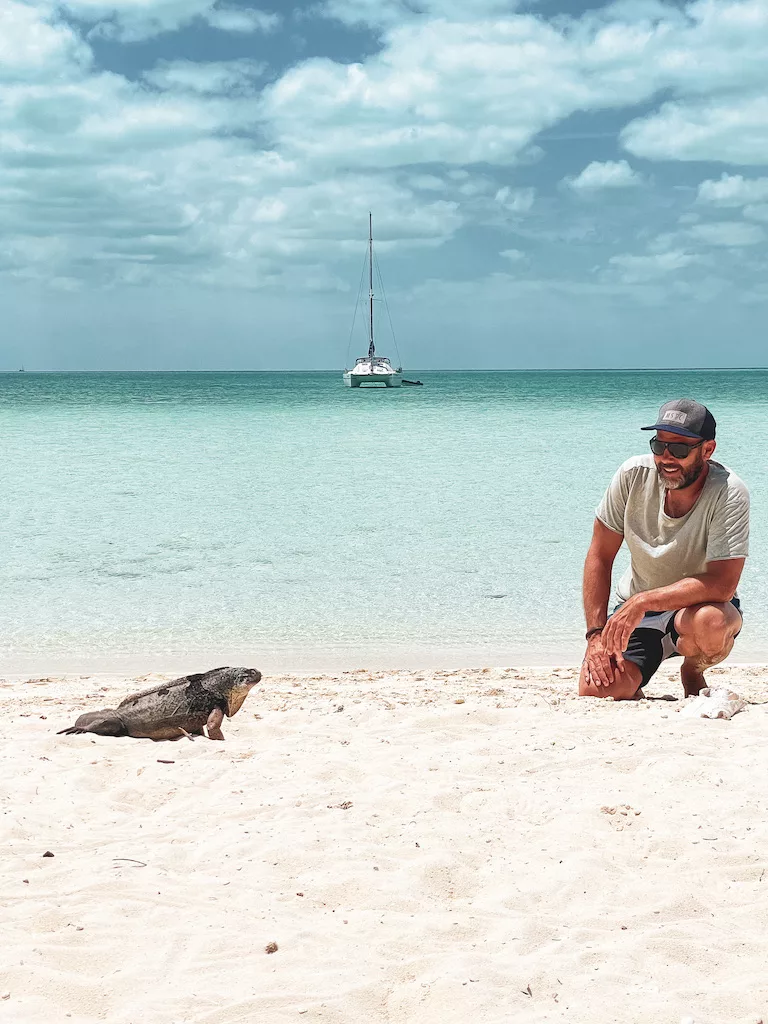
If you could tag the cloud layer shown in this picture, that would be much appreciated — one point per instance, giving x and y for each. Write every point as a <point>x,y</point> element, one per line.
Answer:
<point>231,173</point>
<point>135,20</point>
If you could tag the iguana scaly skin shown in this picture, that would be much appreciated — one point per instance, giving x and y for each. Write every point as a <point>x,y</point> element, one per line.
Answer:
<point>181,707</point>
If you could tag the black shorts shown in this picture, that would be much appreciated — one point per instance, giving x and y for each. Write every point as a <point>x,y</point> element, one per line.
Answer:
<point>655,640</point>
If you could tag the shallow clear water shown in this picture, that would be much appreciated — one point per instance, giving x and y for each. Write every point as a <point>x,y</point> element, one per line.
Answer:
<point>167,515</point>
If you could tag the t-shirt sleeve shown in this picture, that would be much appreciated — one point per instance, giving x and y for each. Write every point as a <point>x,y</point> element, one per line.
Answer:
<point>611,509</point>
<point>729,529</point>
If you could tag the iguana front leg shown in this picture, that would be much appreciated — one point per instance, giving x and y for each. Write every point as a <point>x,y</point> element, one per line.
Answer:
<point>215,719</point>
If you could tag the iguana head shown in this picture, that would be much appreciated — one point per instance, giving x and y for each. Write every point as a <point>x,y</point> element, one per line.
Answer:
<point>234,685</point>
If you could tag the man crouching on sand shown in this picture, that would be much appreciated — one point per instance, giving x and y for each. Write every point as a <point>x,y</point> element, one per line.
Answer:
<point>685,519</point>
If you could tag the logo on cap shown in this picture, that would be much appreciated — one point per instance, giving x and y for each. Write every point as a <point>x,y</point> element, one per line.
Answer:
<point>675,417</point>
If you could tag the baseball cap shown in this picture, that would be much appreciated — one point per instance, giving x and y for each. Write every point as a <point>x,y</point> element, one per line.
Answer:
<point>686,417</point>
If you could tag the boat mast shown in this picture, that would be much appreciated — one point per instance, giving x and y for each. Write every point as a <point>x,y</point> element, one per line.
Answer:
<point>371,348</point>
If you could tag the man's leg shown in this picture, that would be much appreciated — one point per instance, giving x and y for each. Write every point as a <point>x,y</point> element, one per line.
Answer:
<point>706,634</point>
<point>626,683</point>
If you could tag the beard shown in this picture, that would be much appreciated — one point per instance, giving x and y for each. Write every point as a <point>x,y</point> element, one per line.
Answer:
<point>684,478</point>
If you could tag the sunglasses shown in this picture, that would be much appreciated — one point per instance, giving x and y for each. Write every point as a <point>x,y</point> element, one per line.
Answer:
<point>677,449</point>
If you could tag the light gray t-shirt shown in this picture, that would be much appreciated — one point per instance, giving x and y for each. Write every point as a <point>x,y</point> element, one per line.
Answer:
<point>664,550</point>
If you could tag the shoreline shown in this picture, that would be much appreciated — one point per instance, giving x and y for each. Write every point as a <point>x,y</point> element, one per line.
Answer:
<point>403,684</point>
<point>306,663</point>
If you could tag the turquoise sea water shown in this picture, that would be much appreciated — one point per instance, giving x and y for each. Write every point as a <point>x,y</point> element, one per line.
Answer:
<point>284,520</point>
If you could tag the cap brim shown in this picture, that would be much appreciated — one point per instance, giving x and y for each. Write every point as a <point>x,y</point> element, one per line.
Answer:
<point>670,428</point>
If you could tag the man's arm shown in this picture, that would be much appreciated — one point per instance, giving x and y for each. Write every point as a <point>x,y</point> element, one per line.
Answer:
<point>716,585</point>
<point>597,591</point>
<point>597,573</point>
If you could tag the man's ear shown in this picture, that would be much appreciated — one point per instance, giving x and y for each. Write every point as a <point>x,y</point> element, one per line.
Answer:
<point>709,449</point>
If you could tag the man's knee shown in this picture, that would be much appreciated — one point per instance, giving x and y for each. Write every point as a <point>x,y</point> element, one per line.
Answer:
<point>709,627</point>
<point>625,685</point>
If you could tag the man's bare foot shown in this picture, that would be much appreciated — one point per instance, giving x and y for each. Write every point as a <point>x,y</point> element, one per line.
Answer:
<point>692,678</point>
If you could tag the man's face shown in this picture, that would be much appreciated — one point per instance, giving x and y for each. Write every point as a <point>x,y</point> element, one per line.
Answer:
<point>675,473</point>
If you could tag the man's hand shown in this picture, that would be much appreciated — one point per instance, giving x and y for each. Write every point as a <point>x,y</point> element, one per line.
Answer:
<point>621,624</point>
<point>598,667</point>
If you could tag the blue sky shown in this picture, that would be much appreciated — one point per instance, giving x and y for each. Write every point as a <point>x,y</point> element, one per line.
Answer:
<point>186,183</point>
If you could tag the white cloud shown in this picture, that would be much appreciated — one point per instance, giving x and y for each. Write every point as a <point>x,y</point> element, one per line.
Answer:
<point>608,174</point>
<point>430,182</point>
<point>733,190</point>
<point>477,85</point>
<point>135,20</point>
<point>645,268</point>
<point>437,92</point>
<point>234,77</point>
<point>733,129</point>
<point>704,47</point>
<point>758,211</point>
<point>513,255</point>
<point>516,200</point>
<point>241,19</point>
<point>715,60</point>
<point>728,233</point>
<point>387,13</point>
<point>33,45</point>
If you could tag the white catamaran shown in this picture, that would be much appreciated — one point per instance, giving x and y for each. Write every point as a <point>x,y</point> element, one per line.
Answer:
<point>372,369</point>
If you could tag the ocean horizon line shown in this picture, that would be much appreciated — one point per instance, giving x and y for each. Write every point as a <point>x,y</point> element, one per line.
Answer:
<point>416,370</point>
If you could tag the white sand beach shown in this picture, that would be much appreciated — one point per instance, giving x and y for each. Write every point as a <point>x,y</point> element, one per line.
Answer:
<point>446,846</point>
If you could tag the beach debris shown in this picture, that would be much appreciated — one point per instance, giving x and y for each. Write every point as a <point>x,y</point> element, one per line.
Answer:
<point>459,700</point>
<point>621,816</point>
<point>624,809</point>
<point>48,854</point>
<point>131,860</point>
<point>343,806</point>
<point>713,702</point>
<point>182,707</point>
<point>527,991</point>
<point>271,947</point>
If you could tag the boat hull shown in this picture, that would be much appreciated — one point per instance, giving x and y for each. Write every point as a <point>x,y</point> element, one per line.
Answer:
<point>387,380</point>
